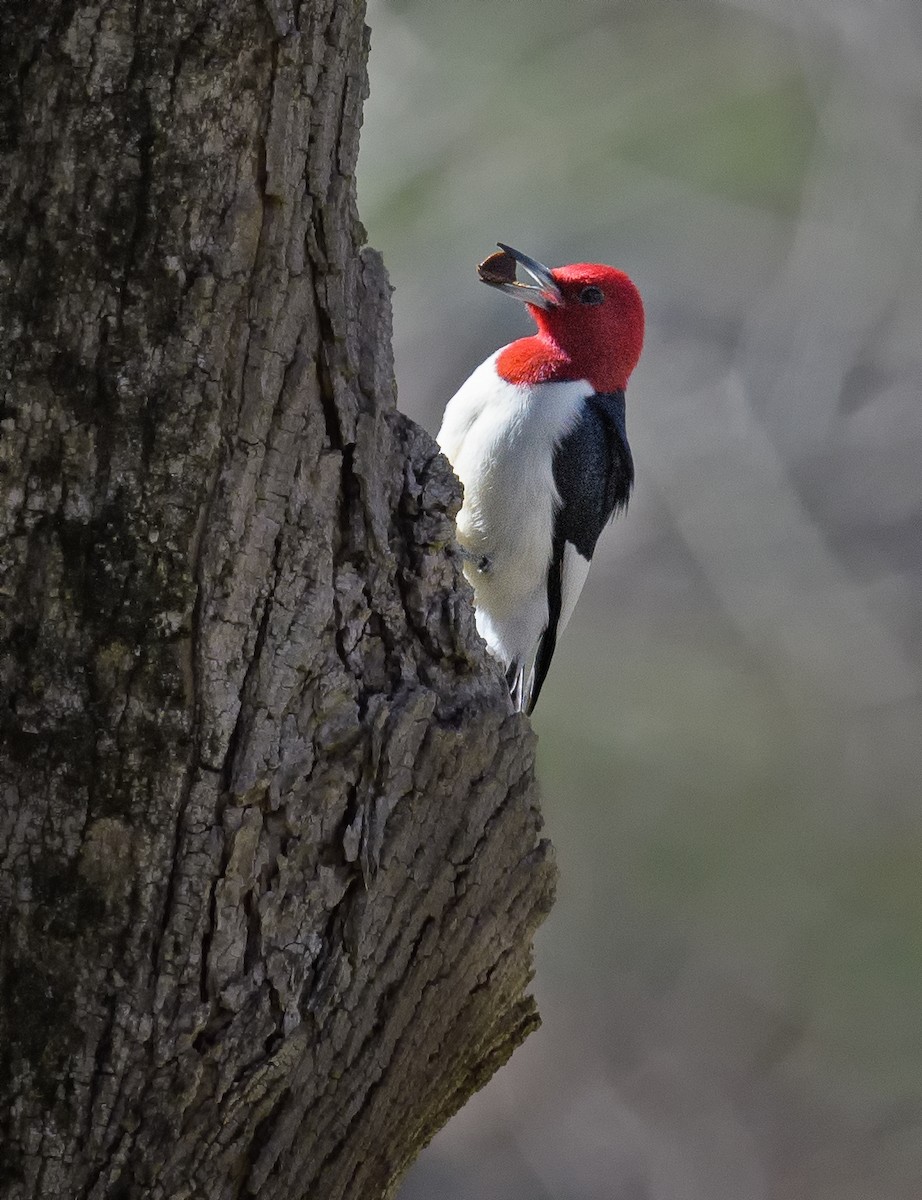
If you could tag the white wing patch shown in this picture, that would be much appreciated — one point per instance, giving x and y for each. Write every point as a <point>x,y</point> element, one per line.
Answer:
<point>573,572</point>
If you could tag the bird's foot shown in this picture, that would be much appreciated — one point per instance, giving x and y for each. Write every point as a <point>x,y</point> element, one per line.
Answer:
<point>480,562</point>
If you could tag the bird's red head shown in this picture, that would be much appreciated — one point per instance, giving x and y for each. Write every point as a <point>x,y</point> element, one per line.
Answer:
<point>590,322</point>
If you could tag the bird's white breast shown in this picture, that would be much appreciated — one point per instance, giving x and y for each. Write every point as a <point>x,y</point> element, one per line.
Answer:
<point>500,439</point>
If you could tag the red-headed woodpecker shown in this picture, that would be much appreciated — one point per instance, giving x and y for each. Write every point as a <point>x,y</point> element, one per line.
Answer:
<point>537,437</point>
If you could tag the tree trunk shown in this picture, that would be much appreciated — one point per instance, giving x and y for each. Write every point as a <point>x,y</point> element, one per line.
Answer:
<point>268,844</point>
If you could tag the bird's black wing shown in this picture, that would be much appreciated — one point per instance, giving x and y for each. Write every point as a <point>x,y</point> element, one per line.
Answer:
<point>594,474</point>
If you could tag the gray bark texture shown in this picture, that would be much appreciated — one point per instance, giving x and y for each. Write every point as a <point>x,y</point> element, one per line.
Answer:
<point>269,853</point>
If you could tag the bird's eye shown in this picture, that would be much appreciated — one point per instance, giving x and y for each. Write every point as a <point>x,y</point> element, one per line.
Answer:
<point>591,295</point>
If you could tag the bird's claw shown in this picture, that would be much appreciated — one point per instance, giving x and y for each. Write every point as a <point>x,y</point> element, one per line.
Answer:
<point>480,562</point>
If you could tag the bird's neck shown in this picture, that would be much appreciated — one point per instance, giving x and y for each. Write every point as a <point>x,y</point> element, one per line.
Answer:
<point>542,359</point>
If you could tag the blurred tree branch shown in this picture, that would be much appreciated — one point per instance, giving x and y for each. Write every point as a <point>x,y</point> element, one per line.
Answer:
<point>268,846</point>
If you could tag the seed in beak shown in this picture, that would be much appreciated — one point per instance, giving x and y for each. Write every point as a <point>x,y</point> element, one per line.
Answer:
<point>499,268</point>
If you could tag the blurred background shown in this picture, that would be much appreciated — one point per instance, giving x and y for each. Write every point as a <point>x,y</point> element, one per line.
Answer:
<point>731,735</point>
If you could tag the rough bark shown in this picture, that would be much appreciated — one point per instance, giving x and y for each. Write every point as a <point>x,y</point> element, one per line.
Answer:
<point>269,862</point>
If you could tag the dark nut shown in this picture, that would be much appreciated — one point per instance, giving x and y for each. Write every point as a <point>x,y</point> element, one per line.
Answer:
<point>498,268</point>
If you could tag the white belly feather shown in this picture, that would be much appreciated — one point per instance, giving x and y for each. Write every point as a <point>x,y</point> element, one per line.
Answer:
<point>500,438</point>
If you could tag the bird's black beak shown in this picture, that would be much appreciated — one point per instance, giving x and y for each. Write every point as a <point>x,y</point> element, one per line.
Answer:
<point>499,271</point>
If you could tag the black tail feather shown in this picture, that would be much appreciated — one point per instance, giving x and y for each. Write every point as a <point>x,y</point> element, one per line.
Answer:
<point>548,643</point>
